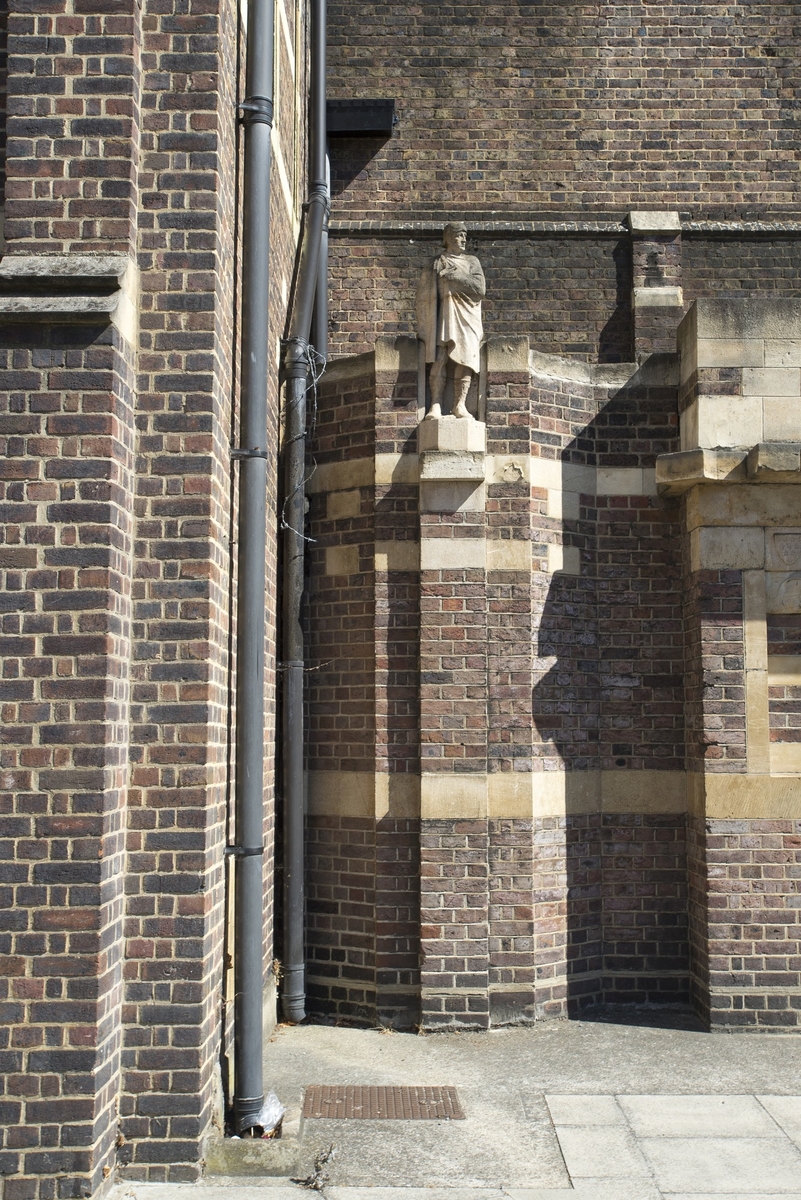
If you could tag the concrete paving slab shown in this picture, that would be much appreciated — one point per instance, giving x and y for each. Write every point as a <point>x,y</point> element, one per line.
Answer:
<point>698,1116</point>
<point>731,1195</point>
<point>601,1152</point>
<point>594,1189</point>
<point>728,1165</point>
<point>584,1110</point>
<point>278,1190</point>
<point>495,1146</point>
<point>557,1058</point>
<point>534,1106</point>
<point>382,1193</point>
<point>786,1112</point>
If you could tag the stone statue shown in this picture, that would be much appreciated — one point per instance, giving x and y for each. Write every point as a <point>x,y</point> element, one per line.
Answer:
<point>449,317</point>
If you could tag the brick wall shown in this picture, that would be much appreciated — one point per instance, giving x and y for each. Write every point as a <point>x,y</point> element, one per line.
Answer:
<point>67,420</point>
<point>119,523</point>
<point>572,295</point>
<point>74,99</point>
<point>575,107</point>
<point>753,933</point>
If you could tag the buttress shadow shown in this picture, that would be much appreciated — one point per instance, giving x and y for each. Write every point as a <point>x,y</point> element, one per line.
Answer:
<point>608,708</point>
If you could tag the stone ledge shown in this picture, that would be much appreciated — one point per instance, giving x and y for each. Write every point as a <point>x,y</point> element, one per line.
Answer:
<point>678,472</point>
<point>767,462</point>
<point>63,286</point>
<point>776,460</point>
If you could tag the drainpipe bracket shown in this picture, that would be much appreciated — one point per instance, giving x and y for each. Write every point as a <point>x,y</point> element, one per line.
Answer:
<point>256,110</point>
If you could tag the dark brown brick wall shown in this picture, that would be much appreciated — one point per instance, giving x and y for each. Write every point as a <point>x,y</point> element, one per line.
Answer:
<point>67,490</point>
<point>117,738</point>
<point>746,927</point>
<point>715,680</point>
<point>74,98</point>
<point>571,295</point>
<point>574,107</point>
<point>363,920</point>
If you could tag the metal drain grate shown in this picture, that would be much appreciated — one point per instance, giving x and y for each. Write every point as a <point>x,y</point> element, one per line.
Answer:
<point>382,1103</point>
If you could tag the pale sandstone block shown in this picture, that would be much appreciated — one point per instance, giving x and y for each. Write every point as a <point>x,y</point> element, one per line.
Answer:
<point>781,419</point>
<point>448,795</point>
<point>352,366</point>
<point>719,548</point>
<point>545,473</point>
<point>657,297</point>
<point>783,551</point>
<point>783,353</point>
<point>340,476</point>
<point>661,221</point>
<point>754,618</point>
<point>746,797</point>
<point>688,428</point>
<point>768,504</point>
<point>564,506</point>
<point>556,793</point>
<point>736,352</point>
<point>451,464</point>
<point>396,352</point>
<point>452,433</point>
<point>512,468</point>
<point>446,554</point>
<point>397,795</point>
<point>772,381</point>
<point>343,504</point>
<point>342,560</point>
<point>618,481</point>
<point>362,794</point>
<point>728,420</point>
<point>564,559</point>
<point>576,478</point>
<point>507,555</point>
<point>643,791</point>
<point>784,592</point>
<point>397,468</point>
<point>511,794</point>
<point>772,319</point>
<point>770,458</point>
<point>447,497</point>
<point>784,670</point>
<point>507,354</point>
<point>677,473</point>
<point>785,758</point>
<point>757,725</point>
<point>397,556</point>
<point>340,793</point>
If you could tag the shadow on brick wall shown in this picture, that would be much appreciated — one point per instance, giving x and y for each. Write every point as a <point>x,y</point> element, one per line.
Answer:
<point>608,707</point>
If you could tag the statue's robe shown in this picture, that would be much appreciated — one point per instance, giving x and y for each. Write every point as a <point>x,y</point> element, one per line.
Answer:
<point>449,310</point>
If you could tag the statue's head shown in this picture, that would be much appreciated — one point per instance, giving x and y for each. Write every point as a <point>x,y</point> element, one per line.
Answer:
<point>454,237</point>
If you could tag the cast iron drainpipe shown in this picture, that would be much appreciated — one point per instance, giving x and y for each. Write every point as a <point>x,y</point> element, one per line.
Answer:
<point>297,364</point>
<point>257,116</point>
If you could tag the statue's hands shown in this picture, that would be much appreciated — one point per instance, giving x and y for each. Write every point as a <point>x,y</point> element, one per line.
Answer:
<point>449,268</point>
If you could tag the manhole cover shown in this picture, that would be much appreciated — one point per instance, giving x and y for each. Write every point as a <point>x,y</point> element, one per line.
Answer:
<point>383,1103</point>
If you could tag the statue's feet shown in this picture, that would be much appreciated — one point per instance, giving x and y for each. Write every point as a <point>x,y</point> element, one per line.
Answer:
<point>434,413</point>
<point>460,410</point>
